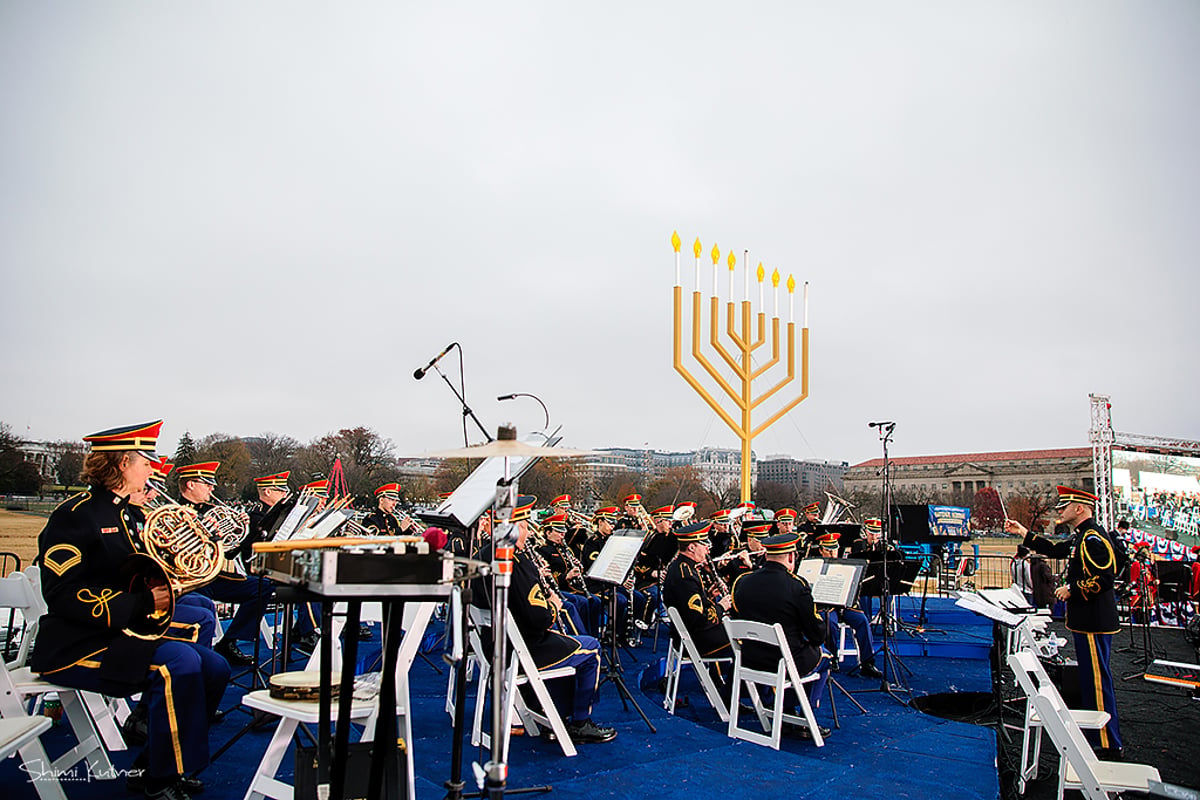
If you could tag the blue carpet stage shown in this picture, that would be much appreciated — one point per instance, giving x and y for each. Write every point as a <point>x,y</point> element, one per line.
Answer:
<point>893,751</point>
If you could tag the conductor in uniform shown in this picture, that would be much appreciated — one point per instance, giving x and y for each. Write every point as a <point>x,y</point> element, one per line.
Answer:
<point>1092,567</point>
<point>774,593</point>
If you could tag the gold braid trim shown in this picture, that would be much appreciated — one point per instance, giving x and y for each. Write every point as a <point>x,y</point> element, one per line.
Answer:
<point>98,602</point>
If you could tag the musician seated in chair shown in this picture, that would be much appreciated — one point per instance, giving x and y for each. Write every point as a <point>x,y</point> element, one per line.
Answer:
<point>251,592</point>
<point>109,616</point>
<point>383,519</point>
<point>857,620</point>
<point>774,593</point>
<point>567,572</point>
<point>604,519</point>
<point>536,616</point>
<point>692,587</point>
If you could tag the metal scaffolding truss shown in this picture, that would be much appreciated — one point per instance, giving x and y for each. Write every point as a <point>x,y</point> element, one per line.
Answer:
<point>1103,441</point>
<point>1101,436</point>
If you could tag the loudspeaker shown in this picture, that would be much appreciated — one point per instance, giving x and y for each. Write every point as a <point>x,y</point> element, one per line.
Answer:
<point>910,523</point>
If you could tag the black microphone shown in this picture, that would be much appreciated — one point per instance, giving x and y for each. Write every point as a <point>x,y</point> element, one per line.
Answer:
<point>420,373</point>
<point>879,424</point>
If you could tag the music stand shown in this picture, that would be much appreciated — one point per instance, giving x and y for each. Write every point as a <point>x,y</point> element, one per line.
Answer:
<point>834,582</point>
<point>1001,618</point>
<point>507,452</point>
<point>612,566</point>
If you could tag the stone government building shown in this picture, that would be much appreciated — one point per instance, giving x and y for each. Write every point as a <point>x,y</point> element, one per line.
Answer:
<point>956,478</point>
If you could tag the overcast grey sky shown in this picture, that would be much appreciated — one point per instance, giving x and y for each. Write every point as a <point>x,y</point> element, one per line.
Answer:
<point>249,217</point>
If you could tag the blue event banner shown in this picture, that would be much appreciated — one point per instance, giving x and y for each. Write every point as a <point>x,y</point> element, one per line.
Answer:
<point>949,522</point>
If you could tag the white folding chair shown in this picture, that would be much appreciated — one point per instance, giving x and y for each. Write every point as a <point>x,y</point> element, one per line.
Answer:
<point>17,591</point>
<point>19,733</point>
<point>520,670</point>
<point>106,712</point>
<point>684,653</point>
<point>291,713</point>
<point>847,644</point>
<point>783,677</point>
<point>1032,678</point>
<point>1079,768</point>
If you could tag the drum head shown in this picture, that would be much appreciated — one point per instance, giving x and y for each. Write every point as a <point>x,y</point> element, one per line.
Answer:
<point>299,685</point>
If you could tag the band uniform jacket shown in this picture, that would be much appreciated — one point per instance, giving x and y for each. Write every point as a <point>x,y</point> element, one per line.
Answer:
<point>228,570</point>
<point>775,594</point>
<point>560,565</point>
<point>92,597</point>
<point>535,616</point>
<point>1091,571</point>
<point>382,521</point>
<point>258,514</point>
<point>657,551</point>
<point>688,592</point>
<point>808,543</point>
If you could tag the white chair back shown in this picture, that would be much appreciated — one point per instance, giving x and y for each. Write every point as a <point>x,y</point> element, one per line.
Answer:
<point>783,677</point>
<point>685,652</point>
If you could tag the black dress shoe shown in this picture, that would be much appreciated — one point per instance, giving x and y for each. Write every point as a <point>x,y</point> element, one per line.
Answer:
<point>136,782</point>
<point>802,731</point>
<point>1110,753</point>
<point>232,654</point>
<point>588,732</point>
<point>136,727</point>
<point>307,642</point>
<point>869,670</point>
<point>806,734</point>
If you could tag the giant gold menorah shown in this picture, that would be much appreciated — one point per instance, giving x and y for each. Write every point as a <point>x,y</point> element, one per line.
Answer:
<point>744,342</point>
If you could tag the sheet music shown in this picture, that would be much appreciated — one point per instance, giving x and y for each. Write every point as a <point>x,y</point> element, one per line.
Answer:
<point>1010,599</point>
<point>616,558</point>
<point>978,604</point>
<point>834,582</point>
<point>297,515</point>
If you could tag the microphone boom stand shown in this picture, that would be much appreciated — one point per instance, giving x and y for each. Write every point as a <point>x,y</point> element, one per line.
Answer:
<point>891,662</point>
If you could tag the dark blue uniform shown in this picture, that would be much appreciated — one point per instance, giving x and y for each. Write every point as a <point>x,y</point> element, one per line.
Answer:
<point>1092,568</point>
<point>97,633</point>
<point>535,619</point>
<point>775,594</point>
<point>692,596</point>
<point>252,593</point>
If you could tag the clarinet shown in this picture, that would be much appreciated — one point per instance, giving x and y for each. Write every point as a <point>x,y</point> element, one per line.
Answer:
<point>578,585</point>
<point>542,568</point>
<point>717,588</point>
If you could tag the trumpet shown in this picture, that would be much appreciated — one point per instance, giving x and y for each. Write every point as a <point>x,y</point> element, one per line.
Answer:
<point>581,520</point>
<point>644,519</point>
<point>415,526</point>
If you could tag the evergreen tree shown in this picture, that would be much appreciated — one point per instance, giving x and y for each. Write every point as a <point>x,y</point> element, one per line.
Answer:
<point>185,452</point>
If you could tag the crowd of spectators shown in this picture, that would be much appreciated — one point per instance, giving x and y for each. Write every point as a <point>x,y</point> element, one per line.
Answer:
<point>1175,511</point>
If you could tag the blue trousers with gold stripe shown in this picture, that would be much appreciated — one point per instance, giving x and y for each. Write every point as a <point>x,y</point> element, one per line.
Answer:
<point>586,661</point>
<point>186,684</point>
<point>1092,651</point>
